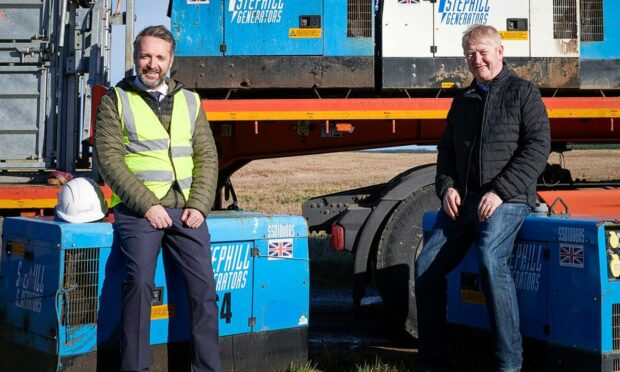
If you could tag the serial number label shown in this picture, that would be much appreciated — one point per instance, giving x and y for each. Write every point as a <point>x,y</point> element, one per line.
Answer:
<point>571,234</point>
<point>280,231</point>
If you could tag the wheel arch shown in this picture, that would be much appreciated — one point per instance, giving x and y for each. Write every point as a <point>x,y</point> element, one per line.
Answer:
<point>398,189</point>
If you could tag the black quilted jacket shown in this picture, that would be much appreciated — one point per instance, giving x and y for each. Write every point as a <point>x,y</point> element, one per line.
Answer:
<point>514,140</point>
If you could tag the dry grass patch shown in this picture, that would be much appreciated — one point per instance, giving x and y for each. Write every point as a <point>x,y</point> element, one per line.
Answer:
<point>281,185</point>
<point>591,165</point>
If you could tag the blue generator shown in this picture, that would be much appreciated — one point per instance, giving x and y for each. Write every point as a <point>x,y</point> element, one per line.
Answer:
<point>236,44</point>
<point>60,296</point>
<point>600,55</point>
<point>567,273</point>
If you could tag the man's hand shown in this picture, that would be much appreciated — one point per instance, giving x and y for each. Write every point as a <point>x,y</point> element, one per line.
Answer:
<point>158,217</point>
<point>451,203</point>
<point>488,204</point>
<point>192,218</point>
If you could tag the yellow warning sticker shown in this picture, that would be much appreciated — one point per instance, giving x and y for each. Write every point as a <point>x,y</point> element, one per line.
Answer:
<point>473,297</point>
<point>513,35</point>
<point>18,248</point>
<point>165,311</point>
<point>304,33</point>
<point>447,84</point>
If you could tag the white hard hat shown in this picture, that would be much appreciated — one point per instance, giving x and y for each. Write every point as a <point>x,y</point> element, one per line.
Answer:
<point>81,200</point>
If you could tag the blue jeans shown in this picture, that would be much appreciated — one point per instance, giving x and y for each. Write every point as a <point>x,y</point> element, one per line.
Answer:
<point>445,246</point>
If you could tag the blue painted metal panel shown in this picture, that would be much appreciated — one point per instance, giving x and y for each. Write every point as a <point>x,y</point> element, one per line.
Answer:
<point>608,48</point>
<point>282,267</point>
<point>337,43</point>
<point>462,303</point>
<point>37,268</point>
<point>198,28</point>
<point>565,293</point>
<point>530,276</point>
<point>32,293</point>
<point>610,291</point>
<point>234,270</point>
<point>575,286</point>
<point>263,27</point>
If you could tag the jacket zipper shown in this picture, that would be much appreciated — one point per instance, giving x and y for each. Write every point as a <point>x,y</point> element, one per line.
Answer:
<point>471,151</point>
<point>176,197</point>
<point>484,116</point>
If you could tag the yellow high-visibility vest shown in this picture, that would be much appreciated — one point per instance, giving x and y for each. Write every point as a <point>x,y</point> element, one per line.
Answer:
<point>157,157</point>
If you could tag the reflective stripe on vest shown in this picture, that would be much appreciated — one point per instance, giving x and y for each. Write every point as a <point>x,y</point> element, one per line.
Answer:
<point>154,156</point>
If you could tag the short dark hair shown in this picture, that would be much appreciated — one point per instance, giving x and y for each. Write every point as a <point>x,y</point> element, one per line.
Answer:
<point>160,32</point>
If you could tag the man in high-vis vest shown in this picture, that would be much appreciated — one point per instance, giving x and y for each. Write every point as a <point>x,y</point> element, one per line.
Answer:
<point>156,151</point>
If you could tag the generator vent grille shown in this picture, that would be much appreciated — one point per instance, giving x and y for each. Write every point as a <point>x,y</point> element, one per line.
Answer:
<point>616,365</point>
<point>564,19</point>
<point>591,19</point>
<point>615,326</point>
<point>359,18</point>
<point>80,286</point>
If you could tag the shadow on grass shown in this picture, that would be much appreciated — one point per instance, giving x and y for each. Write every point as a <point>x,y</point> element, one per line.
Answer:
<point>331,273</point>
<point>368,359</point>
<point>329,268</point>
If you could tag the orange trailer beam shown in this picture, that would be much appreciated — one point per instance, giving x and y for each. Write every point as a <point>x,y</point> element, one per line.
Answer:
<point>246,130</point>
<point>257,129</point>
<point>27,199</point>
<point>385,108</point>
<point>599,202</point>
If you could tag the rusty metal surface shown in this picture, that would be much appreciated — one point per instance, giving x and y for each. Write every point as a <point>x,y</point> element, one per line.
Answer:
<point>600,74</point>
<point>274,72</point>
<point>397,73</point>
<point>436,73</point>
<point>548,72</point>
<point>412,73</point>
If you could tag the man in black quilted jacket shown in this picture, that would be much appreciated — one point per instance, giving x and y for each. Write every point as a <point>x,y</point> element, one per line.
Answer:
<point>492,151</point>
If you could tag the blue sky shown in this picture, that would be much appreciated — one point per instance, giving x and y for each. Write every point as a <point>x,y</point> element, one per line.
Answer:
<point>148,12</point>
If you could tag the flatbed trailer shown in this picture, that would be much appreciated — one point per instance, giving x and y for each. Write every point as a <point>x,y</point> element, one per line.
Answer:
<point>247,130</point>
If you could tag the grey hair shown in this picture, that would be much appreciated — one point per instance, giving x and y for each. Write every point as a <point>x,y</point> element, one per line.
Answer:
<point>481,33</point>
<point>160,32</point>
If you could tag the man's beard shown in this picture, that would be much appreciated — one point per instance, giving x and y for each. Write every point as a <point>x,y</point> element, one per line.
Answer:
<point>150,83</point>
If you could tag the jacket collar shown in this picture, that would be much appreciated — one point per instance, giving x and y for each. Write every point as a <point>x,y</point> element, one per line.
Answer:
<point>502,77</point>
<point>162,89</point>
<point>499,79</point>
<point>129,84</point>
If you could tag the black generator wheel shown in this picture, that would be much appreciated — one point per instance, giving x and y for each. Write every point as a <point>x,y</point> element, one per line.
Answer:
<point>397,249</point>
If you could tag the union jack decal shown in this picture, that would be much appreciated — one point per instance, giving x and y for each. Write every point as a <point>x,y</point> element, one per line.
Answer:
<point>280,248</point>
<point>409,1</point>
<point>572,256</point>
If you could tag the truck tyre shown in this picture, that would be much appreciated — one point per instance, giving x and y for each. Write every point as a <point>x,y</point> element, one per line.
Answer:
<point>399,244</point>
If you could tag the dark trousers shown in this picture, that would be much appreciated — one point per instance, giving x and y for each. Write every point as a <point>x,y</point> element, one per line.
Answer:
<point>191,250</point>
<point>444,248</point>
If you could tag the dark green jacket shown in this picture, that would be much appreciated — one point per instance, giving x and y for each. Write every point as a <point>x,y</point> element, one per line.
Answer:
<point>110,151</point>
